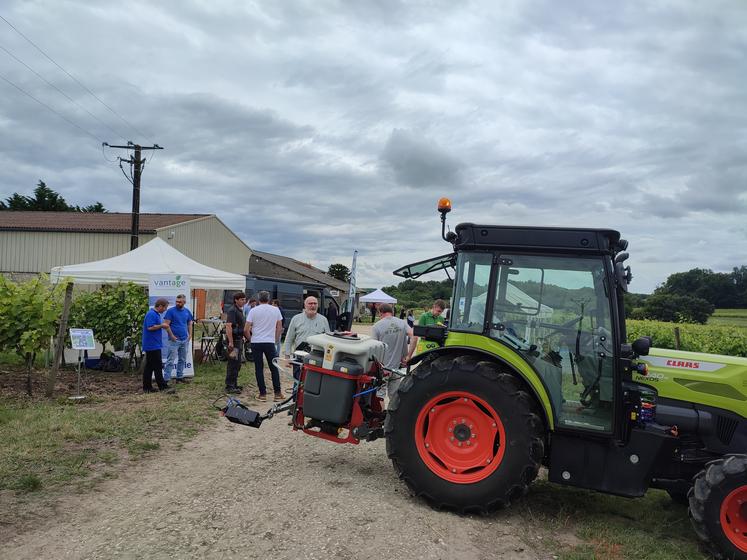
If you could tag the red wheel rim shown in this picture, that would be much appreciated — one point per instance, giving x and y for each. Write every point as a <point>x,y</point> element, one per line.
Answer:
<point>734,517</point>
<point>460,437</point>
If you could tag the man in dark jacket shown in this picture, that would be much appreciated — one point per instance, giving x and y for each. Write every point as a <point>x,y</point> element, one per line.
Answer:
<point>235,323</point>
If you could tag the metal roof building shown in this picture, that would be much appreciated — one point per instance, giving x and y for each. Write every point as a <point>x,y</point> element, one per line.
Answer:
<point>277,266</point>
<point>34,242</point>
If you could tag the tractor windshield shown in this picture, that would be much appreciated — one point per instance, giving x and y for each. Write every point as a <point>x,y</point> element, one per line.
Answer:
<point>554,311</point>
<point>416,270</point>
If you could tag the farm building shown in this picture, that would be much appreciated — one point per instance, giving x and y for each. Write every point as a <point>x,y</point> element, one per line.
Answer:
<point>34,242</point>
<point>277,266</point>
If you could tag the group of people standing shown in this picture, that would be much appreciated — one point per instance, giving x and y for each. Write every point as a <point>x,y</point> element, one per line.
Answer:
<point>259,322</point>
<point>177,322</point>
<point>262,325</point>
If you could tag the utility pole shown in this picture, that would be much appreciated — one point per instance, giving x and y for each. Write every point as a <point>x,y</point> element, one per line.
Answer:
<point>136,170</point>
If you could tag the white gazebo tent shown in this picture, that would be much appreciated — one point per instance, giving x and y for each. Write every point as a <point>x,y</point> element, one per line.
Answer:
<point>154,257</point>
<point>378,296</point>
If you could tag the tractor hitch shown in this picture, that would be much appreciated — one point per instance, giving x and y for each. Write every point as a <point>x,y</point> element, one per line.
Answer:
<point>237,412</point>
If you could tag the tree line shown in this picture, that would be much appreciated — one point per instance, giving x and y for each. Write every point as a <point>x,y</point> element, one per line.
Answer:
<point>692,296</point>
<point>45,199</point>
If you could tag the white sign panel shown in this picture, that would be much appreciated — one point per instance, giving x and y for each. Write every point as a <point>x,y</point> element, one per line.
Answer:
<point>82,339</point>
<point>169,286</point>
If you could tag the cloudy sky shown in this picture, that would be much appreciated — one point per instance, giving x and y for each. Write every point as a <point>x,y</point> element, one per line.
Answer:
<point>316,128</point>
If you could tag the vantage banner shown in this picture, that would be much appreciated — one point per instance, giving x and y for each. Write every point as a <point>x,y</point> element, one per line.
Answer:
<point>169,286</point>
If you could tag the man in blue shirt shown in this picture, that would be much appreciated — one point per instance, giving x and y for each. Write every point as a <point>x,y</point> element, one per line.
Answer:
<point>178,321</point>
<point>152,344</point>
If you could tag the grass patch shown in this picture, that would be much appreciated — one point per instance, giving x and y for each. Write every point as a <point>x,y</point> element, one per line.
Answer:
<point>649,528</point>
<point>28,483</point>
<point>45,443</point>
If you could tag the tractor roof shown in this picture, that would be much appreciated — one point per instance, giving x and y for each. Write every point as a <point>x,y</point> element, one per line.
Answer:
<point>545,239</point>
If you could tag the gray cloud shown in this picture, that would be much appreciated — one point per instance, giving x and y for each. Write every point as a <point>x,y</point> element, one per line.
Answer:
<point>315,128</point>
<point>418,162</point>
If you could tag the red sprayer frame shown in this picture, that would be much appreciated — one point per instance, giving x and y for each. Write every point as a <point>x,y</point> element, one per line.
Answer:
<point>362,382</point>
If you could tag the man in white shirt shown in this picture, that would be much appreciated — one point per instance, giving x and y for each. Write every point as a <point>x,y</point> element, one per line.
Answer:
<point>264,325</point>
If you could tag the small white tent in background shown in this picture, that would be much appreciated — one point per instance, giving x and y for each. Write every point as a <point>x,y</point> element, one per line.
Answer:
<point>378,296</point>
<point>152,258</point>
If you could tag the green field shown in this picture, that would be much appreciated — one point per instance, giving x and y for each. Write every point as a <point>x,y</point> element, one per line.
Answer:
<point>725,333</point>
<point>729,318</point>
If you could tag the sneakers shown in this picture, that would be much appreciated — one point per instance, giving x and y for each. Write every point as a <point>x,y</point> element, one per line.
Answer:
<point>168,390</point>
<point>279,397</point>
<point>233,390</point>
<point>261,397</point>
<point>180,380</point>
<point>151,390</point>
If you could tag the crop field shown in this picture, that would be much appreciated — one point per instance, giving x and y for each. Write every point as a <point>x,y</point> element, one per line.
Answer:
<point>725,333</point>
<point>729,318</point>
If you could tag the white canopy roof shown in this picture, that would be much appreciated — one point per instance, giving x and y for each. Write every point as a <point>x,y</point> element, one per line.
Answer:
<point>377,296</point>
<point>154,257</point>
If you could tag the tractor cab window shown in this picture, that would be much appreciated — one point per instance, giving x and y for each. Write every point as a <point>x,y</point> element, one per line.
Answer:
<point>470,292</point>
<point>555,311</point>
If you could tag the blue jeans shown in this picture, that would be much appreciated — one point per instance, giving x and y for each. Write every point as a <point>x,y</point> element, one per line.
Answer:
<point>176,351</point>
<point>260,350</point>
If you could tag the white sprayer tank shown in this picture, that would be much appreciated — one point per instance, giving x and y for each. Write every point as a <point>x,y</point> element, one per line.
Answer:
<point>362,350</point>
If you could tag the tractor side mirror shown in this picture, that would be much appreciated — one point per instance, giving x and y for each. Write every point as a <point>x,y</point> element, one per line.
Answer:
<point>642,345</point>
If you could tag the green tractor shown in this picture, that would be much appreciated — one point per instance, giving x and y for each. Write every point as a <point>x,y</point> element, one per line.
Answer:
<point>534,369</point>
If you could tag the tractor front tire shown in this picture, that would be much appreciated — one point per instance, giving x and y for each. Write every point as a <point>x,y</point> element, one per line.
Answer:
<point>718,507</point>
<point>464,434</point>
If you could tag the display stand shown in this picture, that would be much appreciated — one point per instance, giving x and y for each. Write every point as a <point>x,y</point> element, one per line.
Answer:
<point>77,395</point>
<point>81,339</point>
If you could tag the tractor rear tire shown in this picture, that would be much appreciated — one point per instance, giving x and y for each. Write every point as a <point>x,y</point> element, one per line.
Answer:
<point>718,507</point>
<point>464,434</point>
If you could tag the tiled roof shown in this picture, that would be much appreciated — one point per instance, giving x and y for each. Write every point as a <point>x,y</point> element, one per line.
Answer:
<point>95,222</point>
<point>304,269</point>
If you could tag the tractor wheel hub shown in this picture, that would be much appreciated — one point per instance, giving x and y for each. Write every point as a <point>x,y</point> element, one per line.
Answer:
<point>462,432</point>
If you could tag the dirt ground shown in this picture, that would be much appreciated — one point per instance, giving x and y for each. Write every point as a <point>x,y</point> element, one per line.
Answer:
<point>238,492</point>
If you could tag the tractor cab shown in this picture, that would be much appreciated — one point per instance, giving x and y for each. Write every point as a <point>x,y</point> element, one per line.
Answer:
<point>548,295</point>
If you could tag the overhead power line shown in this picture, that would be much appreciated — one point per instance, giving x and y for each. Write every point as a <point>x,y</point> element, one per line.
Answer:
<point>50,84</point>
<point>37,47</point>
<point>137,163</point>
<point>63,117</point>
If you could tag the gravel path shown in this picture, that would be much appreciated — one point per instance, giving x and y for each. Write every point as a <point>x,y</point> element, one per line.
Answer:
<point>237,492</point>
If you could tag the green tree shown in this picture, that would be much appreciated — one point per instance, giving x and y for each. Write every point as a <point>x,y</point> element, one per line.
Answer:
<point>29,313</point>
<point>98,207</point>
<point>15,202</point>
<point>339,271</point>
<point>45,200</point>
<point>114,313</point>
<point>716,287</point>
<point>674,308</point>
<point>420,295</point>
